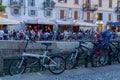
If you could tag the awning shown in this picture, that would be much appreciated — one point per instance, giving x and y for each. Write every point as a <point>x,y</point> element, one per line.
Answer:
<point>84,24</point>
<point>42,21</point>
<point>6,21</point>
<point>31,22</point>
<point>61,22</point>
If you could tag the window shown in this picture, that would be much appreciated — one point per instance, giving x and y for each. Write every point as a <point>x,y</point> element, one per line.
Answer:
<point>48,13</point>
<point>62,13</point>
<point>110,3</point>
<point>15,11</point>
<point>76,1</point>
<point>118,3</point>
<point>76,15</point>
<point>100,3</point>
<point>31,2</point>
<point>88,15</point>
<point>109,17</point>
<point>32,13</point>
<point>62,1</point>
<point>118,17</point>
<point>100,16</point>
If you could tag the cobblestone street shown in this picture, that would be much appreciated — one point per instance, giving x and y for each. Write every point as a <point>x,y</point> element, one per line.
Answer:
<point>111,72</point>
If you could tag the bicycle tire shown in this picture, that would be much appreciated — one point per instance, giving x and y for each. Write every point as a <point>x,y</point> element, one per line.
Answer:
<point>57,69</point>
<point>13,68</point>
<point>118,56</point>
<point>101,59</point>
<point>71,63</point>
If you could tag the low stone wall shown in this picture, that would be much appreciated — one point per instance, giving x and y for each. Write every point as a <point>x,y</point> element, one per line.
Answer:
<point>10,49</point>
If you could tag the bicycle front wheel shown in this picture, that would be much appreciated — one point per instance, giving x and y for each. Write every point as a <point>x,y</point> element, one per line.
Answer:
<point>71,62</point>
<point>57,65</point>
<point>17,67</point>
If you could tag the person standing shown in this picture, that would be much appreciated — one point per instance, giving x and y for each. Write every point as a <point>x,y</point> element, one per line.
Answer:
<point>118,35</point>
<point>1,34</point>
<point>5,36</point>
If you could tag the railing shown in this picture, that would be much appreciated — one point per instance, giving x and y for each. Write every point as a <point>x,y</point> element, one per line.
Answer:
<point>49,5</point>
<point>88,7</point>
<point>16,4</point>
<point>117,9</point>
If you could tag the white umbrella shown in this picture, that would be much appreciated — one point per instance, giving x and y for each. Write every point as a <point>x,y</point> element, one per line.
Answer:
<point>6,21</point>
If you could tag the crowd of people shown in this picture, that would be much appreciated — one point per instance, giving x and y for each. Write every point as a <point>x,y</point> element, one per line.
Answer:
<point>53,35</point>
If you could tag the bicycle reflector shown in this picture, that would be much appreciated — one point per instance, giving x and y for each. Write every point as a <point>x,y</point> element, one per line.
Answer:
<point>98,51</point>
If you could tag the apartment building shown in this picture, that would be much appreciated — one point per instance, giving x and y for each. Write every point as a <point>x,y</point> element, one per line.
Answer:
<point>64,14</point>
<point>31,13</point>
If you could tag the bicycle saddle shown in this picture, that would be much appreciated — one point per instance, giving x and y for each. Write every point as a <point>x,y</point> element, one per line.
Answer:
<point>47,44</point>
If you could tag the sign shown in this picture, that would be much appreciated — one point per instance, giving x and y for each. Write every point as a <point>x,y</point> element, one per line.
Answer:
<point>113,23</point>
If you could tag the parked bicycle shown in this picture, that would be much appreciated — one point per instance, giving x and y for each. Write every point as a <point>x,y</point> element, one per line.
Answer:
<point>72,60</point>
<point>114,52</point>
<point>110,52</point>
<point>99,55</point>
<point>55,63</point>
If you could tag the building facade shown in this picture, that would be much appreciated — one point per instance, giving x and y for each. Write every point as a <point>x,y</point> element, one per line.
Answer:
<point>63,14</point>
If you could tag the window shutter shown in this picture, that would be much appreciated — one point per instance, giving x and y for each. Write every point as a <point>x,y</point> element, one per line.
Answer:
<point>73,15</point>
<point>78,15</point>
<point>64,14</point>
<point>59,14</point>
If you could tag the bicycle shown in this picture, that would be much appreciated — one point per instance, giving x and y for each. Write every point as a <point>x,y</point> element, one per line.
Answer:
<point>114,54</point>
<point>55,63</point>
<point>72,60</point>
<point>99,57</point>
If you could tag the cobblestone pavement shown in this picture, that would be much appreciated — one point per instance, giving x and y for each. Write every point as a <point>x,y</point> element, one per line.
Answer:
<point>111,72</point>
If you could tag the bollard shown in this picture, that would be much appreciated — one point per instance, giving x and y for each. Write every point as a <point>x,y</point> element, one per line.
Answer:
<point>1,66</point>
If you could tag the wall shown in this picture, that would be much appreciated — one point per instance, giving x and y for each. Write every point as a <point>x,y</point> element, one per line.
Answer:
<point>10,49</point>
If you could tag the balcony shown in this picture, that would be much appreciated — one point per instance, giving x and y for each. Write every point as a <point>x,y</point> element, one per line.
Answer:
<point>117,9</point>
<point>16,4</point>
<point>49,5</point>
<point>88,7</point>
<point>90,21</point>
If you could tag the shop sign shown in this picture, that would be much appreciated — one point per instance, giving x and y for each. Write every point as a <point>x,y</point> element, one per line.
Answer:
<point>113,23</point>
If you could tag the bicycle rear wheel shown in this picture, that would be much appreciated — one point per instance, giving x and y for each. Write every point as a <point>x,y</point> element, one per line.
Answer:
<point>17,67</point>
<point>100,59</point>
<point>57,65</point>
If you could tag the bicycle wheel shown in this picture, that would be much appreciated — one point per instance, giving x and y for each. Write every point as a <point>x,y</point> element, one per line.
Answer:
<point>95,60</point>
<point>15,67</point>
<point>57,65</point>
<point>99,59</point>
<point>118,56</point>
<point>104,58</point>
<point>71,62</point>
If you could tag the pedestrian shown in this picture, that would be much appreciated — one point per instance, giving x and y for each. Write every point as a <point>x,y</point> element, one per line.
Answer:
<point>118,35</point>
<point>1,34</point>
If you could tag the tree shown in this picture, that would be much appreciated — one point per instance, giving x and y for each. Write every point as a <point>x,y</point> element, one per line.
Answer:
<point>2,8</point>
